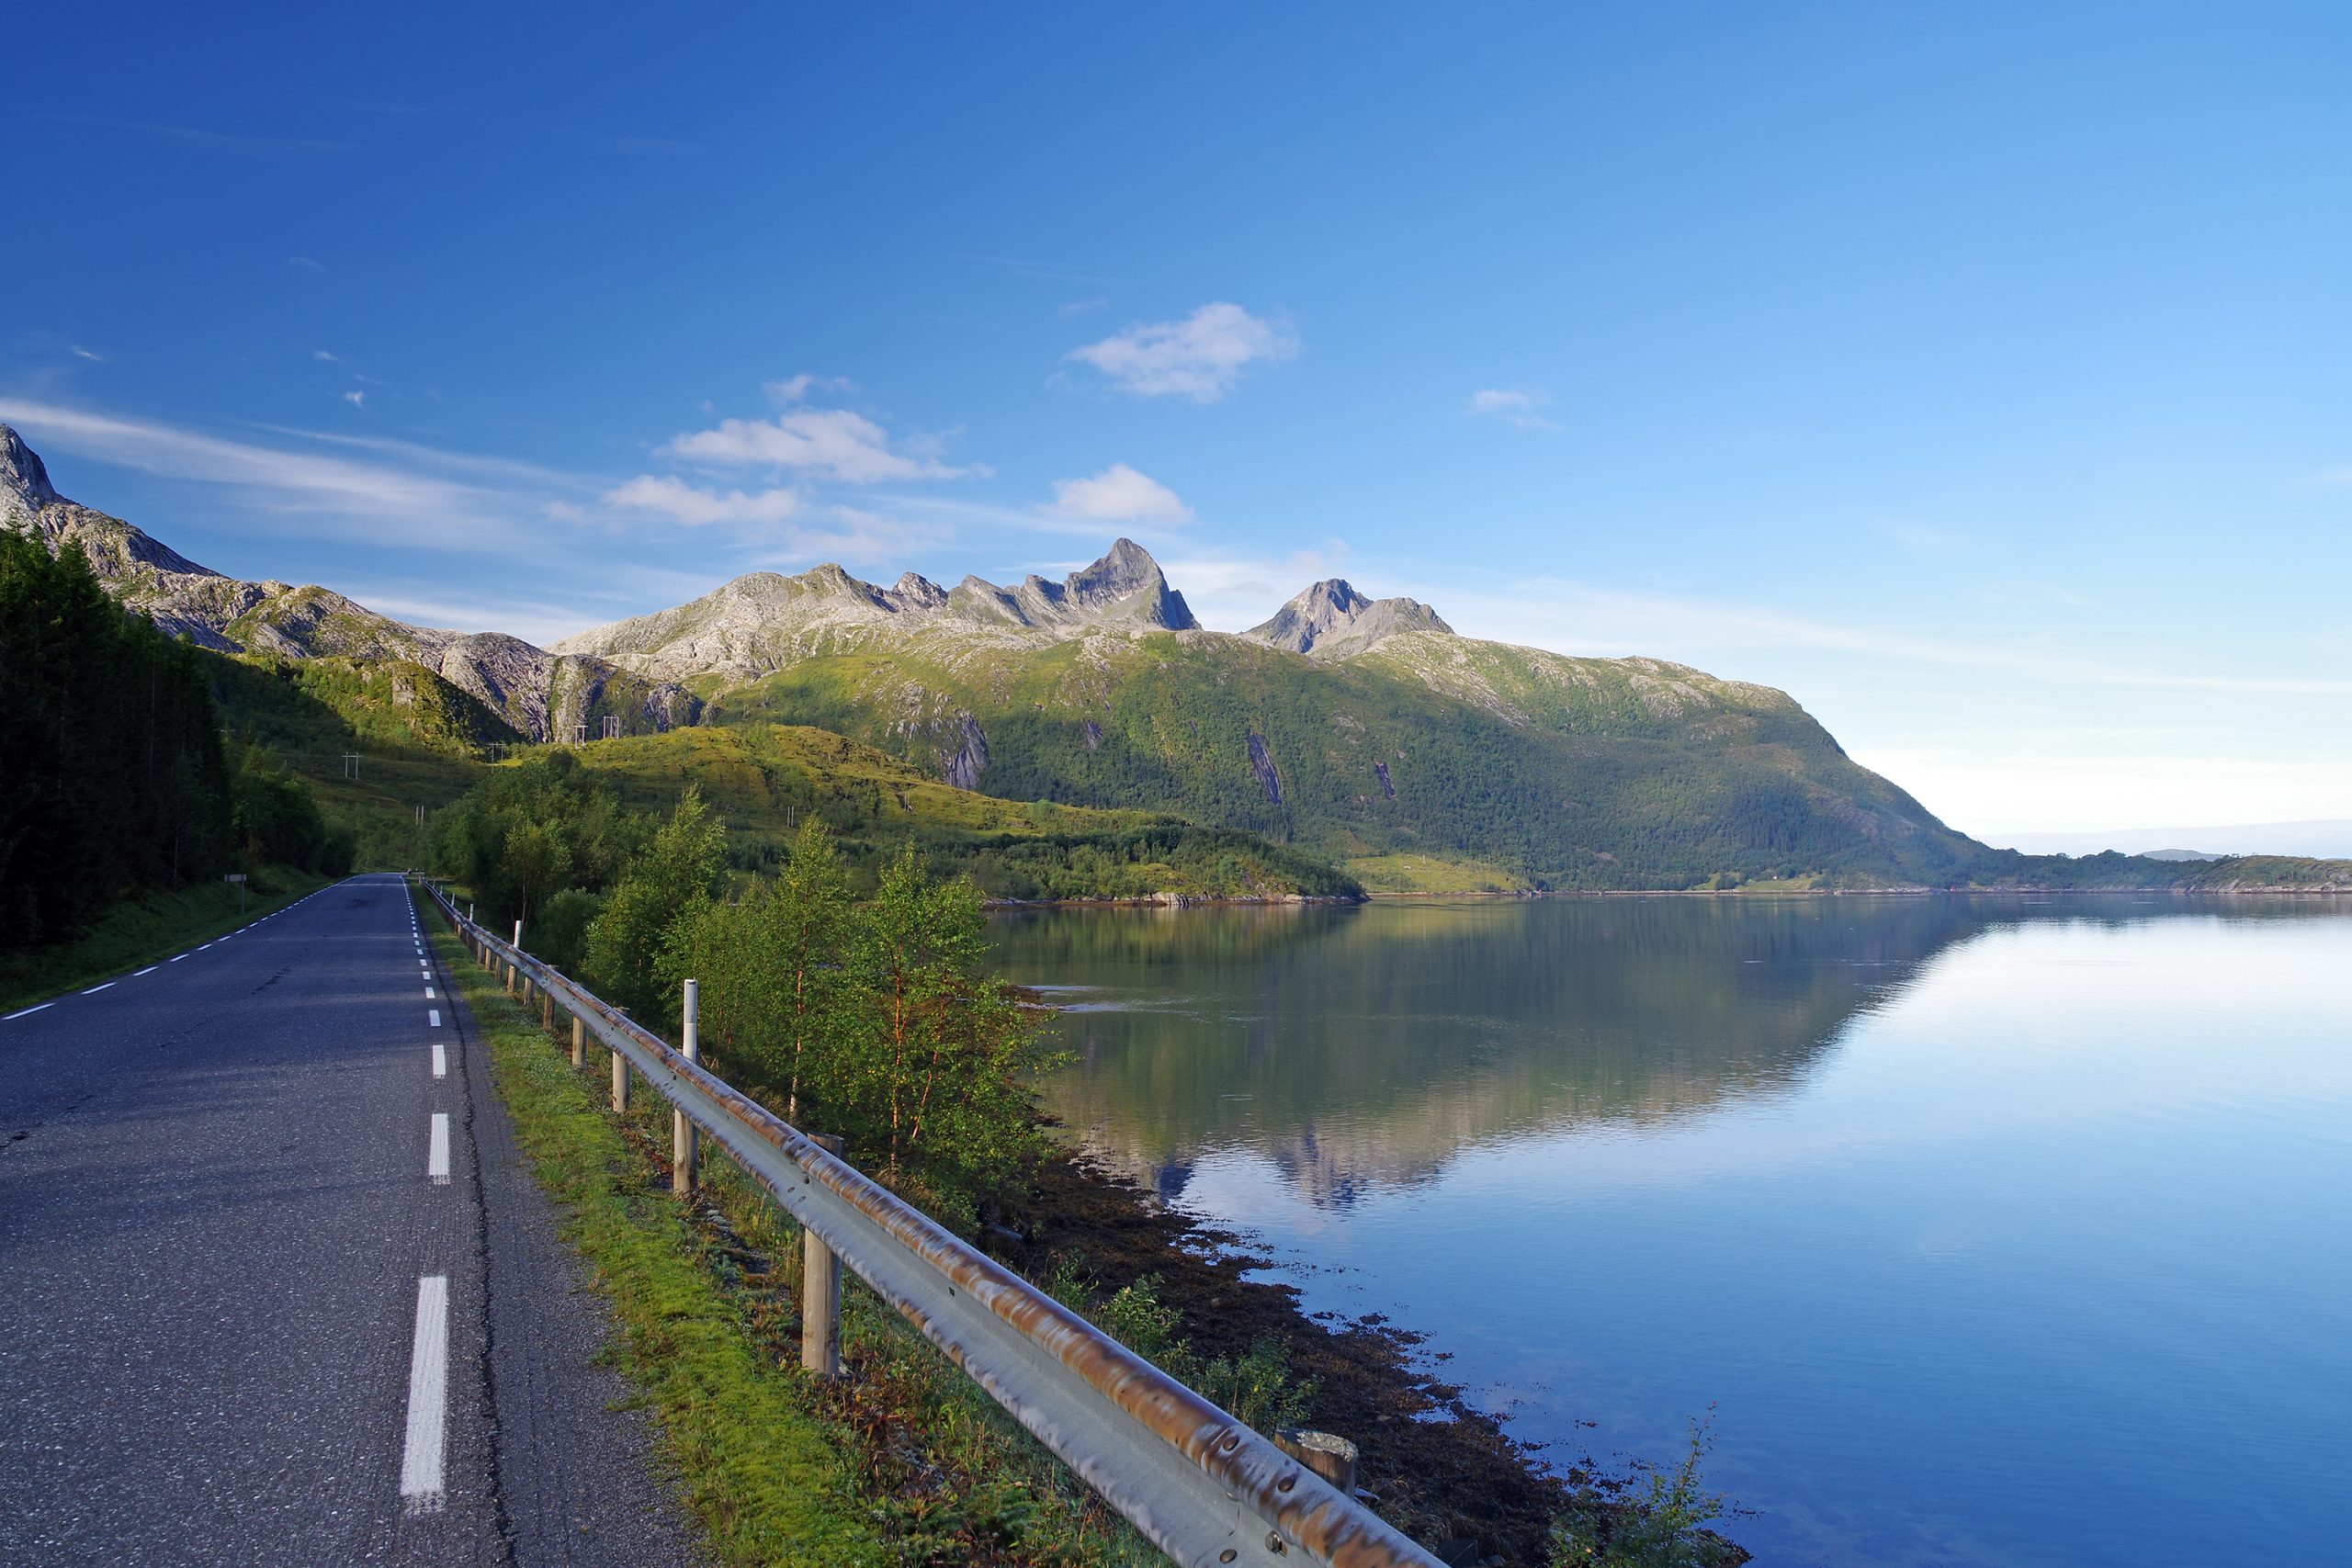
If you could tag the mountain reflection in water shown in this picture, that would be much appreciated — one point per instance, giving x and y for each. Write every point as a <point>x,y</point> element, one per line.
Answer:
<point>1367,1045</point>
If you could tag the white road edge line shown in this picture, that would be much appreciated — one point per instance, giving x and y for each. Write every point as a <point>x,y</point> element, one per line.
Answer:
<point>34,1009</point>
<point>428,993</point>
<point>432,1015</point>
<point>428,1397</point>
<point>437,1151</point>
<point>440,1061</point>
<point>176,957</point>
<point>149,970</point>
<point>95,989</point>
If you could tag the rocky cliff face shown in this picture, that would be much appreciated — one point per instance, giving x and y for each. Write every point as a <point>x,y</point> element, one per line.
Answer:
<point>1331,620</point>
<point>545,696</point>
<point>762,622</point>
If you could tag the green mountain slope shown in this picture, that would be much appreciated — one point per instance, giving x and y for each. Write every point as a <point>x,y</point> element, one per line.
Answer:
<point>1429,750</point>
<point>764,778</point>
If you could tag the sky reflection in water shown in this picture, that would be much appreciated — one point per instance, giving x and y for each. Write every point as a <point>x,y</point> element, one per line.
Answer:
<point>1994,1231</point>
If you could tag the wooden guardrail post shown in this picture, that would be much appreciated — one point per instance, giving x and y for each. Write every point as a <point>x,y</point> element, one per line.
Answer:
<point>821,1292</point>
<point>620,1077</point>
<point>1332,1457</point>
<point>681,1129</point>
<point>579,1041</point>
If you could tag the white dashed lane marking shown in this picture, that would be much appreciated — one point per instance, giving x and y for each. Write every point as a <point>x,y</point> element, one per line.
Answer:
<point>26,1012</point>
<point>440,1061</point>
<point>95,989</point>
<point>149,970</point>
<point>433,1016</point>
<point>437,1151</point>
<point>428,1397</point>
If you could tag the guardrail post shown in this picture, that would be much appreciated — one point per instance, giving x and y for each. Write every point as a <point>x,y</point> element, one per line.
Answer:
<point>547,1010</point>
<point>682,1131</point>
<point>579,1041</point>
<point>620,1077</point>
<point>1332,1457</point>
<point>821,1292</point>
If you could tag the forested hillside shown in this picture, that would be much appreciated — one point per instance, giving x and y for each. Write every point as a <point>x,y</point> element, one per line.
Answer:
<point>118,780</point>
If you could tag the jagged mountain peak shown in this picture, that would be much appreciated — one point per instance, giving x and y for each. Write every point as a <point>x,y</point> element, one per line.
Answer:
<point>1331,620</point>
<point>24,479</point>
<point>762,621</point>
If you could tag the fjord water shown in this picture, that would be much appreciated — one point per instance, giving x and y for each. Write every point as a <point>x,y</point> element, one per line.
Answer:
<point>1991,1230</point>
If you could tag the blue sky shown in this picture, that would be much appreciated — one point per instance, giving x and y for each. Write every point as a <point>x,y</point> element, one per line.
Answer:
<point>1979,374</point>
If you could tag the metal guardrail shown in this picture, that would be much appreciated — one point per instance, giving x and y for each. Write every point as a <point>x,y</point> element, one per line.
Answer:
<point>1198,1484</point>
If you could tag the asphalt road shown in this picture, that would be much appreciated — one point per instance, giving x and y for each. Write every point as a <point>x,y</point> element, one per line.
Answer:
<point>274,1287</point>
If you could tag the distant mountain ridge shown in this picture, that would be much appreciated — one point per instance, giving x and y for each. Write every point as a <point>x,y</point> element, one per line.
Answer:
<point>541,694</point>
<point>763,621</point>
<point>1364,731</point>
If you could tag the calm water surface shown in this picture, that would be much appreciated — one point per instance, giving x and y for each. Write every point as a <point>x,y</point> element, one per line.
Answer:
<point>1991,1231</point>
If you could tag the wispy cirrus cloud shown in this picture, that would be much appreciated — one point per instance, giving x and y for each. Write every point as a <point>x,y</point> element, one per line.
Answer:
<point>1200,358</point>
<point>1119,494</point>
<point>307,492</point>
<point>1519,407</point>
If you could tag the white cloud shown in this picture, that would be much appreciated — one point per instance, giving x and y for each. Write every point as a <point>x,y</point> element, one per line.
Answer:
<point>323,357</point>
<point>791,388</point>
<point>356,400</point>
<point>306,263</point>
<point>91,355</point>
<point>1514,406</point>
<point>682,503</point>
<point>1083,307</point>
<point>1119,494</point>
<point>1199,357</point>
<point>829,443</point>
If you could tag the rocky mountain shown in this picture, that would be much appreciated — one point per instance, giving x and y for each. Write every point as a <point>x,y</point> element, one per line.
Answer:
<point>1331,620</point>
<point>1363,731</point>
<point>763,622</point>
<point>541,694</point>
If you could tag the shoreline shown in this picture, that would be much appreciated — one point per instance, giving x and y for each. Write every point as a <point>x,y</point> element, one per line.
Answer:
<point>1305,900</point>
<point>1445,1472</point>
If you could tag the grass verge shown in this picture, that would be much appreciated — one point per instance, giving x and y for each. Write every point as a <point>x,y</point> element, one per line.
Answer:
<point>764,1477</point>
<point>902,1461</point>
<point>140,930</point>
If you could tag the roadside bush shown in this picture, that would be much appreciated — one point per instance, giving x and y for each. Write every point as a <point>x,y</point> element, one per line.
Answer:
<point>1258,1388</point>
